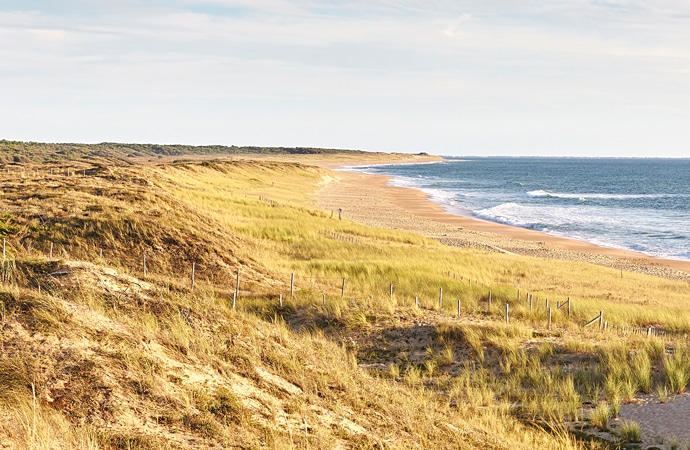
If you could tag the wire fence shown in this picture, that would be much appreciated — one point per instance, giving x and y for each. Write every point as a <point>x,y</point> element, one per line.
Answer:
<point>522,305</point>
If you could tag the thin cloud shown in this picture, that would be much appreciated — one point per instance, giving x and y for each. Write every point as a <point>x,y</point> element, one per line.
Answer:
<point>412,68</point>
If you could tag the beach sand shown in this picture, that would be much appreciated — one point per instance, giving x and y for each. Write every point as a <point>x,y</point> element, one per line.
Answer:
<point>368,199</point>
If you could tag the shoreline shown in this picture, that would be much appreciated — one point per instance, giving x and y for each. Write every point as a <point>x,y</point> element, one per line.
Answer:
<point>369,199</point>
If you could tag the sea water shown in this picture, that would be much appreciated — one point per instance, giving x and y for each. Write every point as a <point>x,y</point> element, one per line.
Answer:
<point>642,205</point>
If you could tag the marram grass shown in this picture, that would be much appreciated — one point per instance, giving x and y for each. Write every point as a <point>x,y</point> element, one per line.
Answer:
<point>482,378</point>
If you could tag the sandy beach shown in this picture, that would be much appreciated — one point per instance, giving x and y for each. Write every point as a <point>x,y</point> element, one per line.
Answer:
<point>368,199</point>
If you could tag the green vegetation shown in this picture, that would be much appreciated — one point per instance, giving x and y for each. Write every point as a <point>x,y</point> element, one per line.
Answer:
<point>630,432</point>
<point>101,351</point>
<point>37,152</point>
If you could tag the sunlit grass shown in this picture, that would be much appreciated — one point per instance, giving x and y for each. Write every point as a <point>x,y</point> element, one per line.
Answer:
<point>259,218</point>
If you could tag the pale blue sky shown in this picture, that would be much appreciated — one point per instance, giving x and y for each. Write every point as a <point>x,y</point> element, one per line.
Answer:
<point>485,77</point>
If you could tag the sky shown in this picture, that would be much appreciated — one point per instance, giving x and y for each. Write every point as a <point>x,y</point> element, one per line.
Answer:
<point>447,77</point>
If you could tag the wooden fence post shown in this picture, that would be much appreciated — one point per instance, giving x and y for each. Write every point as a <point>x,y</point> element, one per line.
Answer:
<point>391,291</point>
<point>568,306</point>
<point>292,285</point>
<point>237,284</point>
<point>530,302</point>
<point>342,290</point>
<point>489,301</point>
<point>601,319</point>
<point>507,313</point>
<point>458,307</point>
<point>416,302</point>
<point>234,300</point>
<point>597,318</point>
<point>440,300</point>
<point>549,327</point>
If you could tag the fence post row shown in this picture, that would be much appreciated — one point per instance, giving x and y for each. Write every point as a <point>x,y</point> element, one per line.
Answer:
<point>603,325</point>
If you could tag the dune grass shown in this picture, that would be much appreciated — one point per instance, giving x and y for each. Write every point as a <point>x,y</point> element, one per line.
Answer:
<point>481,379</point>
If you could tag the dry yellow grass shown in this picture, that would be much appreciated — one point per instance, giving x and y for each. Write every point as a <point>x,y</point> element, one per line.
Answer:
<point>120,359</point>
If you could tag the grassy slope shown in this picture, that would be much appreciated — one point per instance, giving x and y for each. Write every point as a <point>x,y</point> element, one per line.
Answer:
<point>119,360</point>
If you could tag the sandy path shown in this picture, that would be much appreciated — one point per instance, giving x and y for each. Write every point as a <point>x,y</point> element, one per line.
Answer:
<point>660,421</point>
<point>370,200</point>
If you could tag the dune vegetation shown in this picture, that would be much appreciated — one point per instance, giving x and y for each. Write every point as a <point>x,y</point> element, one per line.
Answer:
<point>210,304</point>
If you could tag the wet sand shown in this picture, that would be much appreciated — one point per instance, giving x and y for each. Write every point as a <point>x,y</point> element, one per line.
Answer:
<point>368,199</point>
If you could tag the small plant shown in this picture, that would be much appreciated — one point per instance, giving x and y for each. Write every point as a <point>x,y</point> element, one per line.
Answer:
<point>662,393</point>
<point>673,443</point>
<point>676,370</point>
<point>545,350</point>
<point>615,407</point>
<point>446,357</point>
<point>629,389</point>
<point>642,370</point>
<point>600,415</point>
<point>413,376</point>
<point>430,366</point>
<point>631,432</point>
<point>394,371</point>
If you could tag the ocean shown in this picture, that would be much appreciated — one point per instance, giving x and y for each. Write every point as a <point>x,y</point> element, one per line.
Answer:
<point>642,205</point>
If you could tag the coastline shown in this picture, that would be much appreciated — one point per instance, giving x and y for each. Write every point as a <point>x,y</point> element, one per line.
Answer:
<point>369,199</point>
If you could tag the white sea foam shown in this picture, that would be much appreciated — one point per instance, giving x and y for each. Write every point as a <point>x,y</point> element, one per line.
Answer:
<point>584,196</point>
